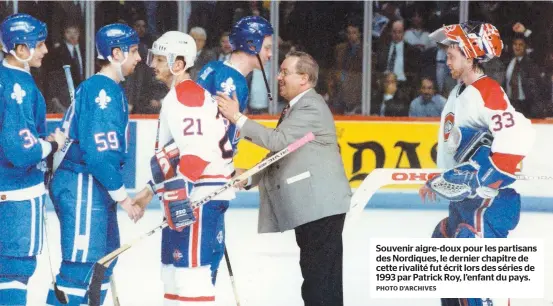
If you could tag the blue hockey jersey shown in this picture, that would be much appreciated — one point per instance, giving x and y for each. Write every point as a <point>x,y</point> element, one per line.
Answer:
<point>221,76</point>
<point>22,124</point>
<point>97,123</point>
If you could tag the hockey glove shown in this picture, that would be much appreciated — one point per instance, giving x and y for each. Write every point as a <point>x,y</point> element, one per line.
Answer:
<point>165,162</point>
<point>178,209</point>
<point>477,177</point>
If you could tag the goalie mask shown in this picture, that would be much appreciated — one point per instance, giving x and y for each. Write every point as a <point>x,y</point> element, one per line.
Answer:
<point>172,45</point>
<point>477,40</point>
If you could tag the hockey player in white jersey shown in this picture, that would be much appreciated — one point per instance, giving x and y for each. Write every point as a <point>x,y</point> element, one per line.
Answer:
<point>191,165</point>
<point>482,139</point>
<point>23,150</point>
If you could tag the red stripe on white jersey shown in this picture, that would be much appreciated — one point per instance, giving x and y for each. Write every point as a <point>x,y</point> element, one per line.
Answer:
<point>174,297</point>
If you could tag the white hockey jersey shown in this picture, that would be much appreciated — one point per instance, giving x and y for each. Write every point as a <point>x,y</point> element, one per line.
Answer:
<point>484,105</point>
<point>189,116</point>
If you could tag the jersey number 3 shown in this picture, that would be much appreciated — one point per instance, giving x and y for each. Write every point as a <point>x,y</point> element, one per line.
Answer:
<point>504,120</point>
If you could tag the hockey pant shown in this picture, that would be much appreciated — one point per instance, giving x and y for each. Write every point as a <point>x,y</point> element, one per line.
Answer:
<point>480,218</point>
<point>186,257</point>
<point>21,232</point>
<point>219,249</point>
<point>89,231</point>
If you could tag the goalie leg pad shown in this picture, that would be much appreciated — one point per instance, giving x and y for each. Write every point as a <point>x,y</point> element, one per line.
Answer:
<point>441,230</point>
<point>14,277</point>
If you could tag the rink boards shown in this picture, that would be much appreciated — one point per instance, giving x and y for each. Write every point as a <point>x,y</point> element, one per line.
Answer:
<point>365,144</point>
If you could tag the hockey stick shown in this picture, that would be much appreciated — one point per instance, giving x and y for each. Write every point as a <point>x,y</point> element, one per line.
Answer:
<point>114,291</point>
<point>227,259</point>
<point>101,265</point>
<point>53,164</point>
<point>60,295</point>
<point>381,177</point>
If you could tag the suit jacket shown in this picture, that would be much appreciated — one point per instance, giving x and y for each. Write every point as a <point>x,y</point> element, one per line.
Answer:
<point>57,85</point>
<point>310,183</point>
<point>531,81</point>
<point>411,61</point>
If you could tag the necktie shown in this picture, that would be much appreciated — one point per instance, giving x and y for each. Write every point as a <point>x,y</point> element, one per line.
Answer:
<point>514,83</point>
<point>392,61</point>
<point>283,114</point>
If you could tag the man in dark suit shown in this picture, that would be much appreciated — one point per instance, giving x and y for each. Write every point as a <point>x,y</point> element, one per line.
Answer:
<point>399,57</point>
<point>297,192</point>
<point>68,52</point>
<point>522,80</point>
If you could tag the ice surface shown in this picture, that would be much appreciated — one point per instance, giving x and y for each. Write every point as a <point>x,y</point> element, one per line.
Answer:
<point>266,266</point>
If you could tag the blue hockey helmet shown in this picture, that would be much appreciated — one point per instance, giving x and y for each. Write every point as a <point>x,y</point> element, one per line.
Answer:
<point>248,33</point>
<point>115,35</point>
<point>22,29</point>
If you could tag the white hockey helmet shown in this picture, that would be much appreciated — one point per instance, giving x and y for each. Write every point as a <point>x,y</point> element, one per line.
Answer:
<point>173,44</point>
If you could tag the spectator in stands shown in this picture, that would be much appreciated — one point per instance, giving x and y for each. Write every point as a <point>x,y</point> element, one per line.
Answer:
<point>225,49</point>
<point>348,78</point>
<point>138,85</point>
<point>522,79</point>
<point>398,57</point>
<point>428,103</point>
<point>146,40</point>
<point>69,52</point>
<point>390,100</point>
<point>203,56</point>
<point>546,109</point>
<point>416,35</point>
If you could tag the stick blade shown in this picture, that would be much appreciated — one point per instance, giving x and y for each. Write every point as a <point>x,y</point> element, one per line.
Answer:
<point>95,287</point>
<point>60,295</point>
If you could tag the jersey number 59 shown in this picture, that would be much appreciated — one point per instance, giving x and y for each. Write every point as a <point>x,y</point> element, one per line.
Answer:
<point>106,141</point>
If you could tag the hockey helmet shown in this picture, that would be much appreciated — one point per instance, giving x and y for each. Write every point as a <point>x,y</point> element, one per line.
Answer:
<point>172,45</point>
<point>22,29</point>
<point>477,40</point>
<point>115,35</point>
<point>248,34</point>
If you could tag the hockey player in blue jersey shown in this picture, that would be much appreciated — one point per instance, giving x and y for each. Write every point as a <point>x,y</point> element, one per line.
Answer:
<point>252,43</point>
<point>23,150</point>
<point>87,187</point>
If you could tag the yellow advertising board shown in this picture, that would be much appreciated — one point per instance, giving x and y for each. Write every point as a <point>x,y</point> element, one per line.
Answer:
<point>366,145</point>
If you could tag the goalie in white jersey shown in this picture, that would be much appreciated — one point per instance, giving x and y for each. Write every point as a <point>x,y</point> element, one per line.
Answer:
<point>482,139</point>
<point>190,165</point>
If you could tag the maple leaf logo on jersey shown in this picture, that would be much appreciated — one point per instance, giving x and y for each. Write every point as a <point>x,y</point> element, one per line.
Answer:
<point>228,86</point>
<point>103,99</point>
<point>18,93</point>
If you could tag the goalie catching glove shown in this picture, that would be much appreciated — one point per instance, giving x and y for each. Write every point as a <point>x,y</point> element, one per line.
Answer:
<point>477,176</point>
<point>176,202</point>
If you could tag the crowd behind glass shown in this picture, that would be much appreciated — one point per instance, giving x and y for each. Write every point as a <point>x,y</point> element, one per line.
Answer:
<point>409,72</point>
